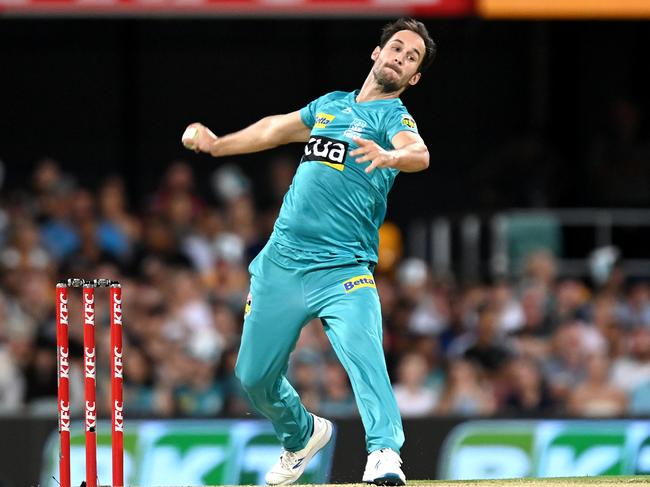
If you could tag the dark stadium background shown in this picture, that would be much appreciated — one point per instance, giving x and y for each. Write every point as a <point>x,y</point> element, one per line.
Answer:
<point>113,96</point>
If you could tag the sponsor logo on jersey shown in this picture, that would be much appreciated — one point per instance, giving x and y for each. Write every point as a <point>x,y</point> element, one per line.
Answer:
<point>347,110</point>
<point>323,120</point>
<point>409,122</point>
<point>249,303</point>
<point>356,128</point>
<point>359,282</point>
<point>330,152</point>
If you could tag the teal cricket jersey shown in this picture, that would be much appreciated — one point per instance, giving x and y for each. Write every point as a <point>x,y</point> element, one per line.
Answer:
<point>333,207</point>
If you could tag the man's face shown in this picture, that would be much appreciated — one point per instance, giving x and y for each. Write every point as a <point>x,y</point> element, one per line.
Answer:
<point>396,64</point>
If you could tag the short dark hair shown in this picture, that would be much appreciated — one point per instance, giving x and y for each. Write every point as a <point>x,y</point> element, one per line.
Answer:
<point>420,29</point>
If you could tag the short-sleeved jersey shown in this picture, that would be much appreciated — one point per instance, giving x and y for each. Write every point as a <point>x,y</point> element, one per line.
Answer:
<point>333,207</point>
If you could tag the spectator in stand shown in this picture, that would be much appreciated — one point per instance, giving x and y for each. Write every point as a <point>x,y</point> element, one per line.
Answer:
<point>305,374</point>
<point>415,397</point>
<point>570,303</point>
<point>565,368</point>
<point>227,322</point>
<point>58,234</point>
<point>139,390</point>
<point>337,399</point>
<point>178,182</point>
<point>200,245</point>
<point>532,338</point>
<point>23,251</point>
<point>466,393</point>
<point>190,319</point>
<point>605,319</point>
<point>199,394</point>
<point>237,403</point>
<point>12,382</point>
<point>429,310</point>
<point>632,369</point>
<point>635,311</point>
<point>157,252</point>
<point>540,268</point>
<point>47,181</point>
<point>180,215</point>
<point>596,396</point>
<point>40,382</point>
<point>118,229</point>
<point>484,345</point>
<point>464,309</point>
<point>507,308</point>
<point>526,391</point>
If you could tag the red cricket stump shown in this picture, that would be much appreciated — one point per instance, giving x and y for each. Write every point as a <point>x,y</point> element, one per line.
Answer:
<point>63,367</point>
<point>117,406</point>
<point>90,383</point>
<point>90,379</point>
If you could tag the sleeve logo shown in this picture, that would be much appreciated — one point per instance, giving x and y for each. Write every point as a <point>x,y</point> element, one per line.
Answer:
<point>322,120</point>
<point>409,122</point>
<point>359,282</point>
<point>249,303</point>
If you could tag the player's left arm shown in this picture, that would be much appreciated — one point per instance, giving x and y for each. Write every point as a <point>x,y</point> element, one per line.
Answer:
<point>410,153</point>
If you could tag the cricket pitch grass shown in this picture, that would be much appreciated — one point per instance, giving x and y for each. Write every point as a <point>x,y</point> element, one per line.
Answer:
<point>611,481</point>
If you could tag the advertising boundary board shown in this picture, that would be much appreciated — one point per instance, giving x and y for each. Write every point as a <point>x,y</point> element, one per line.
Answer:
<point>428,451</point>
<point>22,458</point>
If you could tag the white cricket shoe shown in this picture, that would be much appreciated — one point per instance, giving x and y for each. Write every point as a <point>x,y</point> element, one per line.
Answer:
<point>384,468</point>
<point>292,464</point>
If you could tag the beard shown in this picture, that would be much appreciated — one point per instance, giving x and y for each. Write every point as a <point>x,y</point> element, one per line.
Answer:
<point>387,84</point>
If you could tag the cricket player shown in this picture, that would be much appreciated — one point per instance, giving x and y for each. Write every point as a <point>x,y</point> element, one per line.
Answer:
<point>319,260</point>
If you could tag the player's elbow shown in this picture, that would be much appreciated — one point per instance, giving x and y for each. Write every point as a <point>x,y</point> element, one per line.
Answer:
<point>267,132</point>
<point>424,159</point>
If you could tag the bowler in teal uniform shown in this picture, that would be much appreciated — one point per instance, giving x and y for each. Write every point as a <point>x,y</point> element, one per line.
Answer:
<point>319,260</point>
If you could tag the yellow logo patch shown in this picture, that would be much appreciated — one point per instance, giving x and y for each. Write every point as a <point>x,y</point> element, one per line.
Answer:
<point>249,302</point>
<point>359,282</point>
<point>409,122</point>
<point>322,120</point>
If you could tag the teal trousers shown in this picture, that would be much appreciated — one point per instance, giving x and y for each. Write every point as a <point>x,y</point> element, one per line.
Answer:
<point>288,289</point>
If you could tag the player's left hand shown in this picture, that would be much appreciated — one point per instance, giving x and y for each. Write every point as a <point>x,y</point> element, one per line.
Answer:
<point>371,151</point>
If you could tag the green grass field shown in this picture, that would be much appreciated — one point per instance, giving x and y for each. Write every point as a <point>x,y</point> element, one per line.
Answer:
<point>610,481</point>
<point>547,482</point>
<point>554,482</point>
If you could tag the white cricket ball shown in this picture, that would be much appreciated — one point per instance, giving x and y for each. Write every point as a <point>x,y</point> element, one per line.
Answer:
<point>190,137</point>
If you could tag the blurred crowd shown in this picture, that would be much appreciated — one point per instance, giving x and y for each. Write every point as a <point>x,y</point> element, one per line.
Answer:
<point>535,344</point>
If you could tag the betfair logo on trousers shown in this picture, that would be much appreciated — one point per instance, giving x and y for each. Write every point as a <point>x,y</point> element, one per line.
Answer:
<point>330,152</point>
<point>358,282</point>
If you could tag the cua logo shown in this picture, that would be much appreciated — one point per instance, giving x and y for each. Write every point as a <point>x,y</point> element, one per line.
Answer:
<point>328,151</point>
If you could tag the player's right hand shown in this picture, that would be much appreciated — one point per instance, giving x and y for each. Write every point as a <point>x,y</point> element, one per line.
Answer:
<point>198,137</point>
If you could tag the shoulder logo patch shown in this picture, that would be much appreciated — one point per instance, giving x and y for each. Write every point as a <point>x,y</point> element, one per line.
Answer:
<point>409,122</point>
<point>359,282</point>
<point>249,303</point>
<point>322,120</point>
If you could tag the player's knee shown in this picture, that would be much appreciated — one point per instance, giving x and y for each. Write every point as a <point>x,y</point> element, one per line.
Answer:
<point>251,379</point>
